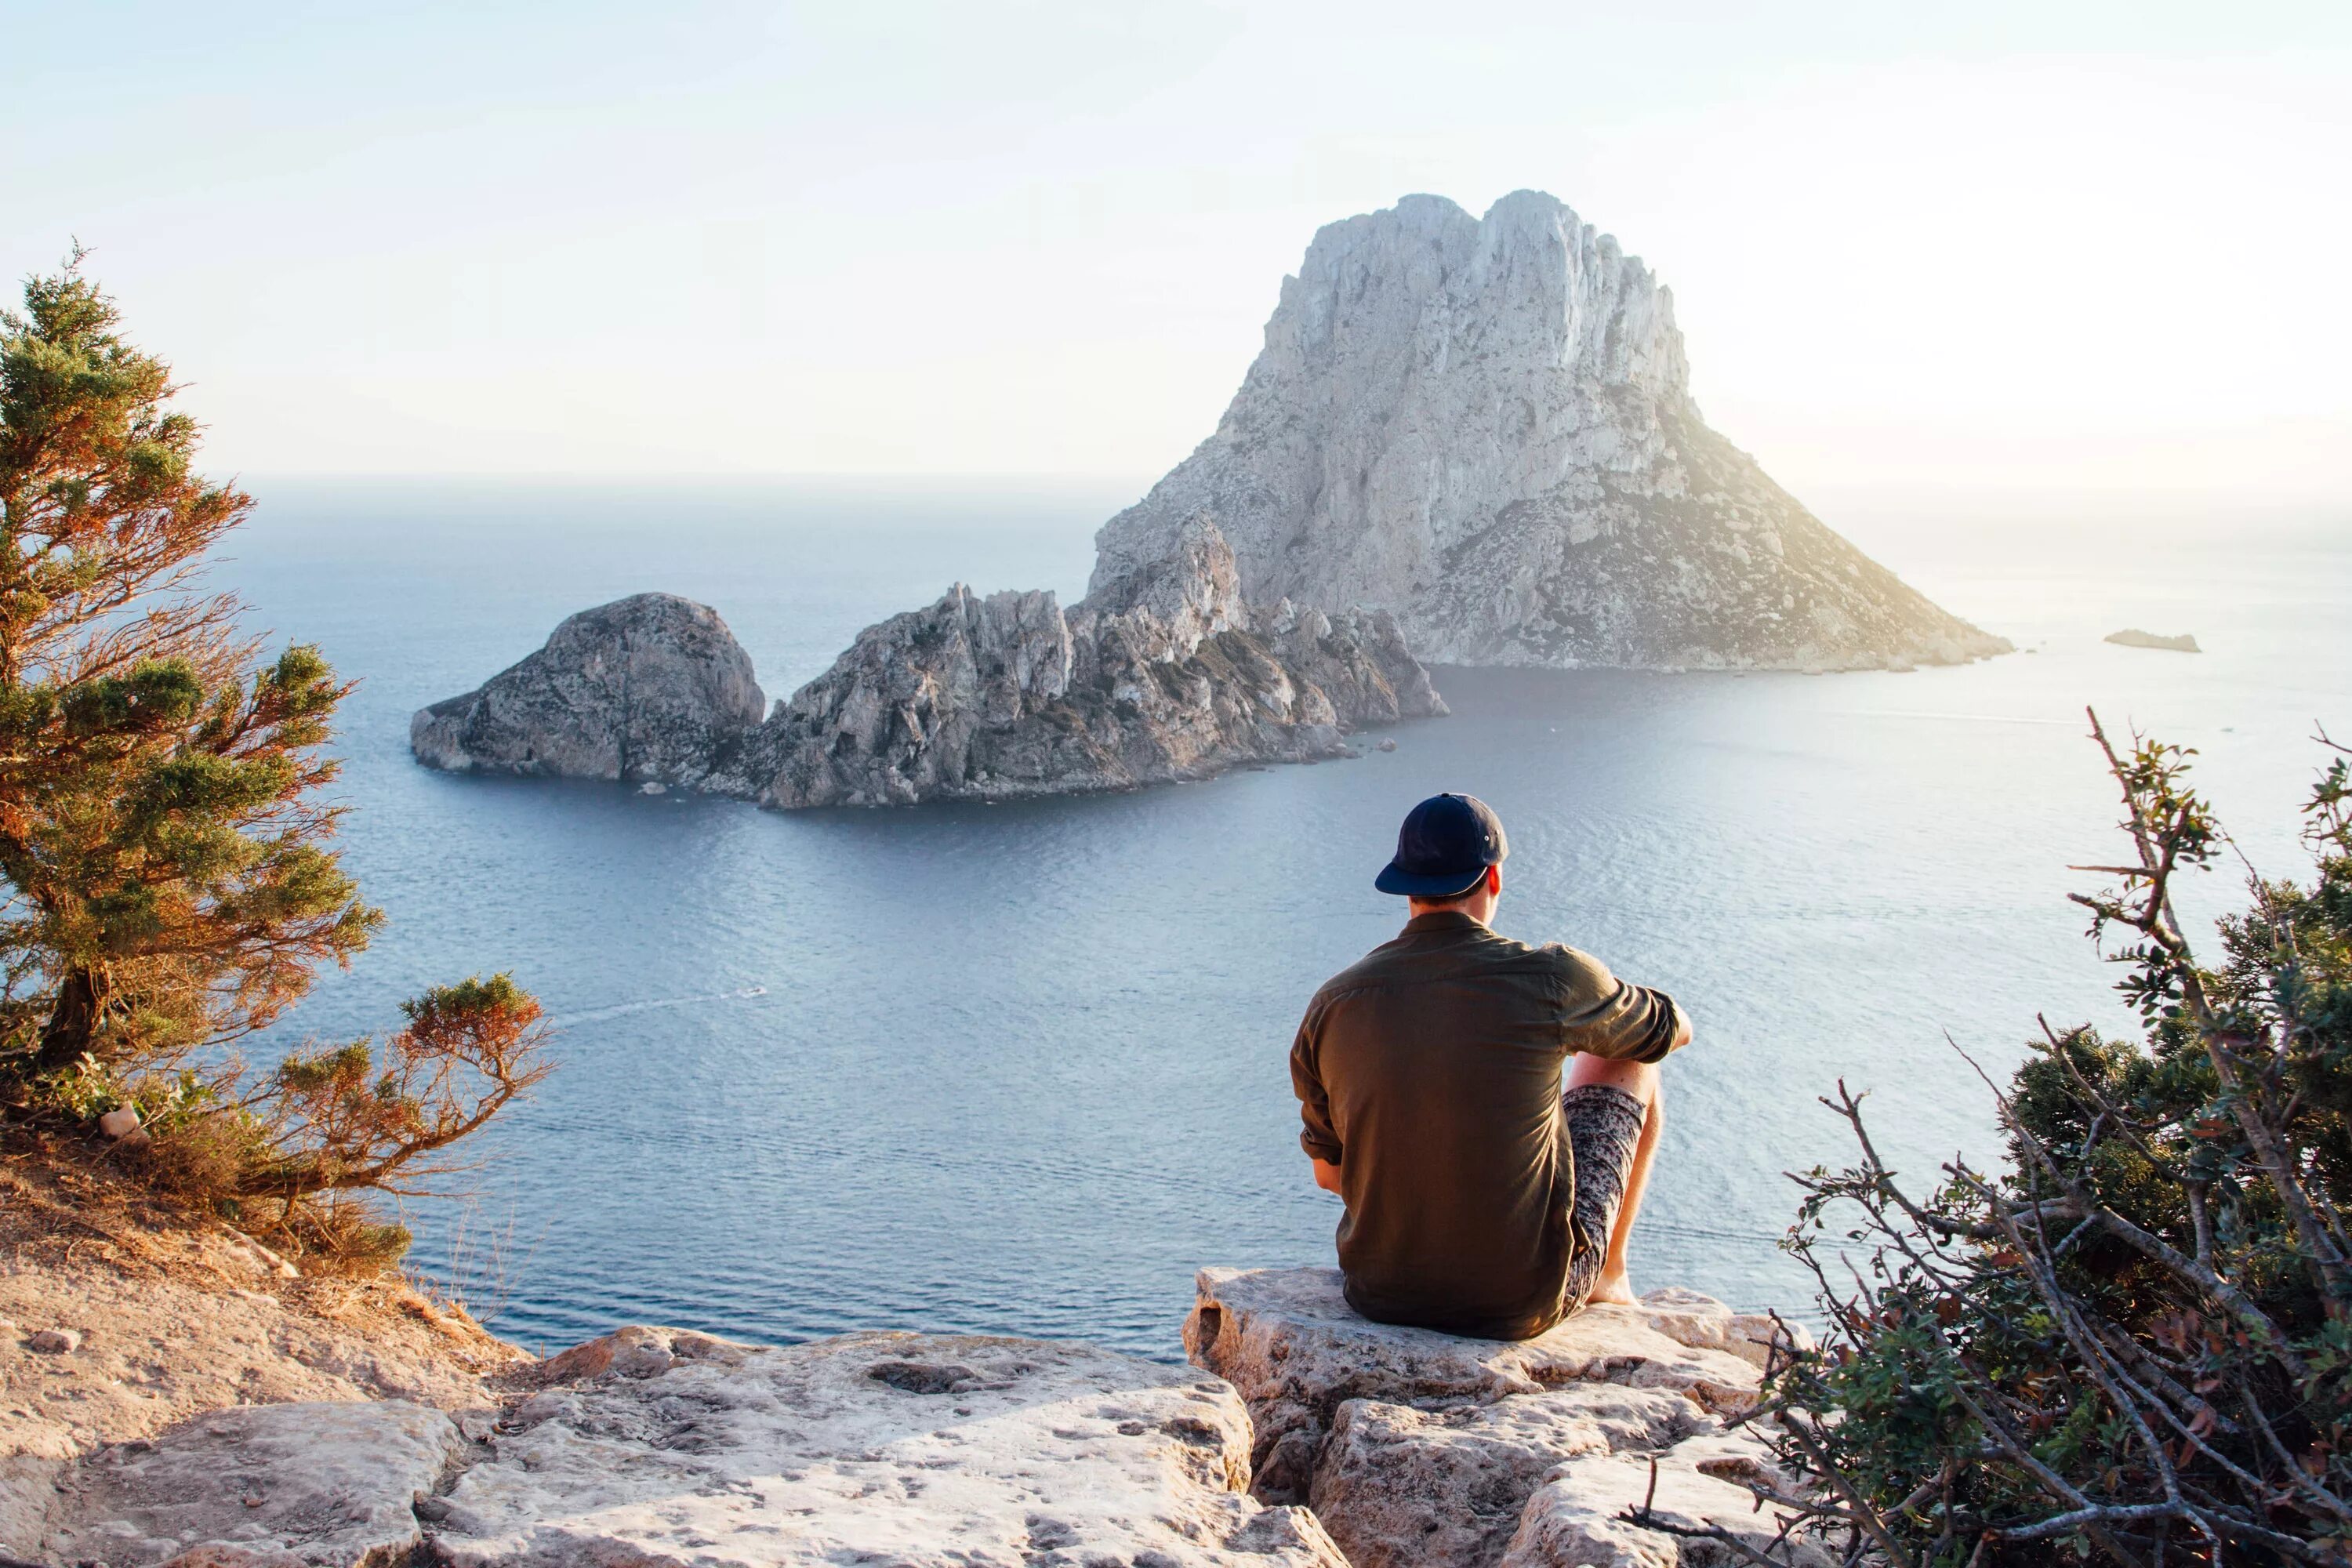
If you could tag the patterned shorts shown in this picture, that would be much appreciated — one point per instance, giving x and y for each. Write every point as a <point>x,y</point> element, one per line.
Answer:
<point>1605,1128</point>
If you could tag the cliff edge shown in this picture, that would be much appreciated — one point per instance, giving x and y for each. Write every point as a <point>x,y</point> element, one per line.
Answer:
<point>174,1397</point>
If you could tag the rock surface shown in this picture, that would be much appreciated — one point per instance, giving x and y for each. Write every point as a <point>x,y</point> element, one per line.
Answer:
<point>880,1448</point>
<point>322,1483</point>
<point>1485,427</point>
<point>1419,1449</point>
<point>2132,636</point>
<point>1400,1487</point>
<point>1162,674</point>
<point>1576,1517</point>
<point>171,1324</point>
<point>650,688</point>
<point>218,1413</point>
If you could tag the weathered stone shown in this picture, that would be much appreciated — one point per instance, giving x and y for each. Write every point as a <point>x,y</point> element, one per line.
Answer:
<point>635,1351</point>
<point>262,1260</point>
<point>120,1122</point>
<point>1288,1341</point>
<point>54,1341</point>
<point>1577,1519</point>
<point>650,688</point>
<point>219,1554</point>
<point>1404,1487</point>
<point>1706,1323</point>
<point>1486,426</point>
<point>896,1449</point>
<point>173,1329</point>
<point>331,1483</point>
<point>1164,674</point>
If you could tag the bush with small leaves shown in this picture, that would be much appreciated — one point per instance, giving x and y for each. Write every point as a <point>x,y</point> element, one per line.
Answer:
<point>2133,1345</point>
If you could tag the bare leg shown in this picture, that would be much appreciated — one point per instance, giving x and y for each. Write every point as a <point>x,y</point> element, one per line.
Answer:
<point>1639,1081</point>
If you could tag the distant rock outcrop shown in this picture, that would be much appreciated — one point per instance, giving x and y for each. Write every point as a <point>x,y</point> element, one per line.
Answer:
<point>652,689</point>
<point>2132,636</point>
<point>1465,441</point>
<point>1162,674</point>
<point>1486,426</point>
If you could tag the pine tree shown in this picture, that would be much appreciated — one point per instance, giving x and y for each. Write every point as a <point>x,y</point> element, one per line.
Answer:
<point>168,884</point>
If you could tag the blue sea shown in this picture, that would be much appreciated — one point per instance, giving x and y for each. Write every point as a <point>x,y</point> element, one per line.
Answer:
<point>1023,1068</point>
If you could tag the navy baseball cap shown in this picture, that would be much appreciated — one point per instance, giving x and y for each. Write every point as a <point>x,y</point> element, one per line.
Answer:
<point>1443,848</point>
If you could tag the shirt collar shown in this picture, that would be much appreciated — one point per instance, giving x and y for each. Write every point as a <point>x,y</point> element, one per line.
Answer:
<point>1440,920</point>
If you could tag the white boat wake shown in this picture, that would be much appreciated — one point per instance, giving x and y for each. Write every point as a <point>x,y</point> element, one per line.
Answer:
<point>622,1009</point>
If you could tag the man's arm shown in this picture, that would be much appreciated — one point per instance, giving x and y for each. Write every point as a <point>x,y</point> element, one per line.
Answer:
<point>1610,1018</point>
<point>1316,1133</point>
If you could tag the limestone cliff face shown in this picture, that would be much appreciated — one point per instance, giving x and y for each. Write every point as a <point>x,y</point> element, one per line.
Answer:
<point>1163,674</point>
<point>1485,427</point>
<point>651,690</point>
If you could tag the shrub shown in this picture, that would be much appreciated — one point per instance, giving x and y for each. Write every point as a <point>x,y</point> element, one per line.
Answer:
<point>2134,1345</point>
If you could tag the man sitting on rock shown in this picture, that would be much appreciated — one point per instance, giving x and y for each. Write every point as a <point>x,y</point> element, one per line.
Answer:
<point>1482,1200</point>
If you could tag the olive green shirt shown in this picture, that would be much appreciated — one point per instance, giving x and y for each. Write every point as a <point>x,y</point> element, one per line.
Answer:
<point>1429,1072</point>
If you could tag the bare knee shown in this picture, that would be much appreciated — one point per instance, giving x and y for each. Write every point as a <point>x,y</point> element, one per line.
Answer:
<point>1638,1079</point>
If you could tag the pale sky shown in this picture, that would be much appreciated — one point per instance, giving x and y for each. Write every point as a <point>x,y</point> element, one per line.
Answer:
<point>2073,245</point>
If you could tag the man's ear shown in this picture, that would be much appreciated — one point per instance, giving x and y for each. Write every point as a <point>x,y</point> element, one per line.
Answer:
<point>1495,879</point>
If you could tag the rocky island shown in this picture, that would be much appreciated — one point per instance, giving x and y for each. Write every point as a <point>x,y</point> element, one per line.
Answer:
<point>2132,636</point>
<point>648,688</point>
<point>1466,441</point>
<point>1486,426</point>
<point>1163,673</point>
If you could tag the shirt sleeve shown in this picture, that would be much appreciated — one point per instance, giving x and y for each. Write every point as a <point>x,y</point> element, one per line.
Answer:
<point>1606,1016</point>
<point>1316,1135</point>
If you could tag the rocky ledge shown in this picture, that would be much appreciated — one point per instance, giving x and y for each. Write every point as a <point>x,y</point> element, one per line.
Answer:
<point>1164,673</point>
<point>1417,1449</point>
<point>661,1446</point>
<point>1307,1437</point>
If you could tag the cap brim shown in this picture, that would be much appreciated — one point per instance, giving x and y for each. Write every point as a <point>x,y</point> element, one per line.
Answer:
<point>1454,884</point>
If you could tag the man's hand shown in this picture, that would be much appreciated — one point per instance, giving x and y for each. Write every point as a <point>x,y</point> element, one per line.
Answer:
<point>1326,1175</point>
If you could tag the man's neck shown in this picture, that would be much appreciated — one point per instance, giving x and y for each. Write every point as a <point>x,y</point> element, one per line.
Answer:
<point>1468,912</point>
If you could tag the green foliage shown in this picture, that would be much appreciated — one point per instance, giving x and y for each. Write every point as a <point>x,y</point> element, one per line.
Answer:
<point>166,881</point>
<point>160,841</point>
<point>2135,1344</point>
